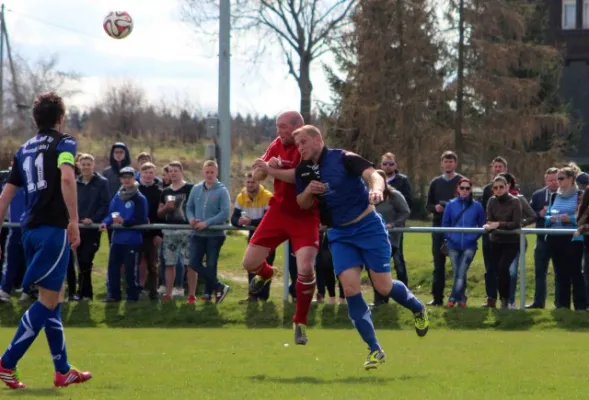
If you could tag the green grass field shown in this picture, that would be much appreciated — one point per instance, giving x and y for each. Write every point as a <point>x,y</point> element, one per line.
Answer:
<point>232,351</point>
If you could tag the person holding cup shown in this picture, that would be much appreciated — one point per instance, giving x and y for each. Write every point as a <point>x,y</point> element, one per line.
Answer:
<point>127,208</point>
<point>566,250</point>
<point>172,210</point>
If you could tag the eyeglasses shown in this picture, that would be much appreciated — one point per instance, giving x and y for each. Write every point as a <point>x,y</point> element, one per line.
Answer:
<point>464,188</point>
<point>498,187</point>
<point>388,163</point>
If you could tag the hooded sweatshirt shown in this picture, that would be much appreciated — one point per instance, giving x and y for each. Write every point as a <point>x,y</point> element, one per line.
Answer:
<point>210,205</point>
<point>132,207</point>
<point>112,173</point>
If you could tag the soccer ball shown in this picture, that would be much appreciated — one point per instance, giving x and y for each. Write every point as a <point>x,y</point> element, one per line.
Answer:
<point>118,24</point>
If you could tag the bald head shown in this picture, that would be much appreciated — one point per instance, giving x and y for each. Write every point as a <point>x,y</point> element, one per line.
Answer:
<point>286,124</point>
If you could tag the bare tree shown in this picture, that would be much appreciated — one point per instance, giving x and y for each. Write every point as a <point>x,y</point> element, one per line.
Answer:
<point>301,29</point>
<point>124,105</point>
<point>27,80</point>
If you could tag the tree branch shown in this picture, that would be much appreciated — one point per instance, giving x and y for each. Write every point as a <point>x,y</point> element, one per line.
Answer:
<point>334,23</point>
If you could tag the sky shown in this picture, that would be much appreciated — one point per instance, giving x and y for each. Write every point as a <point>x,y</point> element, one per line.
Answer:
<point>163,55</point>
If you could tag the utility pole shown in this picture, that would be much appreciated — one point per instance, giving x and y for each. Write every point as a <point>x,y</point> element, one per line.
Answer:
<point>225,92</point>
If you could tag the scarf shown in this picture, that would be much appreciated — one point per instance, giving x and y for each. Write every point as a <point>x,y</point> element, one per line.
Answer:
<point>126,194</point>
<point>568,192</point>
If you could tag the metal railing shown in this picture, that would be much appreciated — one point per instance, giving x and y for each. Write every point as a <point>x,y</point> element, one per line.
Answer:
<point>415,229</point>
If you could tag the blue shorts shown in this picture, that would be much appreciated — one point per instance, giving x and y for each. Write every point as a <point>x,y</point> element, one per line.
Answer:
<point>365,243</point>
<point>47,252</point>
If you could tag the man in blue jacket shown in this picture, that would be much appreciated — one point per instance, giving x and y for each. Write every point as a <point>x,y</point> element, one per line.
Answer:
<point>128,208</point>
<point>540,202</point>
<point>208,204</point>
<point>93,201</point>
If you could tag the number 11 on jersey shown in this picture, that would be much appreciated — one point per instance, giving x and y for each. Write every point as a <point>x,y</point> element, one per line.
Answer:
<point>28,166</point>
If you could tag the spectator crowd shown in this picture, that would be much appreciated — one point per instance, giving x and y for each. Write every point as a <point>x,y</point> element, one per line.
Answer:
<point>167,264</point>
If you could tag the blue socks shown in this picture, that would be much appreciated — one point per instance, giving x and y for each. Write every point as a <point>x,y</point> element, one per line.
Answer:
<point>362,319</point>
<point>29,327</point>
<point>37,317</point>
<point>402,295</point>
<point>56,339</point>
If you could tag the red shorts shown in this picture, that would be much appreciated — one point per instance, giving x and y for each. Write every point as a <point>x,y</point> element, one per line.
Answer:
<point>277,226</point>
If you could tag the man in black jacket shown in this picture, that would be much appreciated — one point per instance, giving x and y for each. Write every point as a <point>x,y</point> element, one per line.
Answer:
<point>93,201</point>
<point>250,206</point>
<point>441,190</point>
<point>540,203</point>
<point>498,166</point>
<point>152,239</point>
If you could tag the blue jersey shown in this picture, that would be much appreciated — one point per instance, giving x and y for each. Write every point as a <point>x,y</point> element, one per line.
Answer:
<point>37,170</point>
<point>346,195</point>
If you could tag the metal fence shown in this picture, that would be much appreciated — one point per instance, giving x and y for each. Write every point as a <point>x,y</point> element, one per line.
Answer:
<point>416,229</point>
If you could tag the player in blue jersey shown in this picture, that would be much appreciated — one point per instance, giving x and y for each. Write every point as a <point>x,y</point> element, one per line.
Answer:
<point>44,167</point>
<point>334,179</point>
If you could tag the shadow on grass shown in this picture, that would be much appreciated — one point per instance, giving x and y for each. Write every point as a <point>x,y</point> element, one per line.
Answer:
<point>34,392</point>
<point>277,314</point>
<point>312,380</point>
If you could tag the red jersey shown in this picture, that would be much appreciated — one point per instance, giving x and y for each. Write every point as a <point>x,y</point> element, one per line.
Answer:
<point>285,194</point>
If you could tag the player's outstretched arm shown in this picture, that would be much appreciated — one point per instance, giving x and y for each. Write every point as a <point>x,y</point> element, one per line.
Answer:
<point>374,180</point>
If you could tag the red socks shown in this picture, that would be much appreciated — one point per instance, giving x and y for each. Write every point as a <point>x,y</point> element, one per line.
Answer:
<point>265,271</point>
<point>305,287</point>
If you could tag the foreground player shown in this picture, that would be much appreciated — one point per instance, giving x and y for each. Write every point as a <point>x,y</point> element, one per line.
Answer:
<point>357,234</point>
<point>44,166</point>
<point>283,221</point>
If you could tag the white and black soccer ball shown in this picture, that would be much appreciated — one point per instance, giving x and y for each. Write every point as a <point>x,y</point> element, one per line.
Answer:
<point>118,24</point>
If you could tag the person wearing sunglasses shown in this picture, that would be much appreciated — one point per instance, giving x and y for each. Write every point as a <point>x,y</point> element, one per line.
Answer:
<point>400,182</point>
<point>504,212</point>
<point>462,212</point>
<point>566,250</point>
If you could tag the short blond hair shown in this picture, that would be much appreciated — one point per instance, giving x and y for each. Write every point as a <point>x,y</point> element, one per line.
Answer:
<point>147,166</point>
<point>310,130</point>
<point>210,163</point>
<point>86,156</point>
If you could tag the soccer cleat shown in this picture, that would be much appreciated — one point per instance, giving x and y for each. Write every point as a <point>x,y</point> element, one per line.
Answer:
<point>220,294</point>
<point>421,322</point>
<point>257,284</point>
<point>451,304</point>
<point>4,297</point>
<point>300,334</point>
<point>10,377</point>
<point>374,358</point>
<point>71,377</point>
<point>191,300</point>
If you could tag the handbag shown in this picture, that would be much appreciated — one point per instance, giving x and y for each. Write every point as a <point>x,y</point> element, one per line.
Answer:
<point>444,247</point>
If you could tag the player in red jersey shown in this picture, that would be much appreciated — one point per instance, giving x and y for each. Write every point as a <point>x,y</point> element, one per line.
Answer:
<point>285,220</point>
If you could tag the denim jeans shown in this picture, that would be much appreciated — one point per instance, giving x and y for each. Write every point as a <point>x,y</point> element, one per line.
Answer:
<point>211,247</point>
<point>461,260</point>
<point>542,257</point>
<point>513,273</point>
